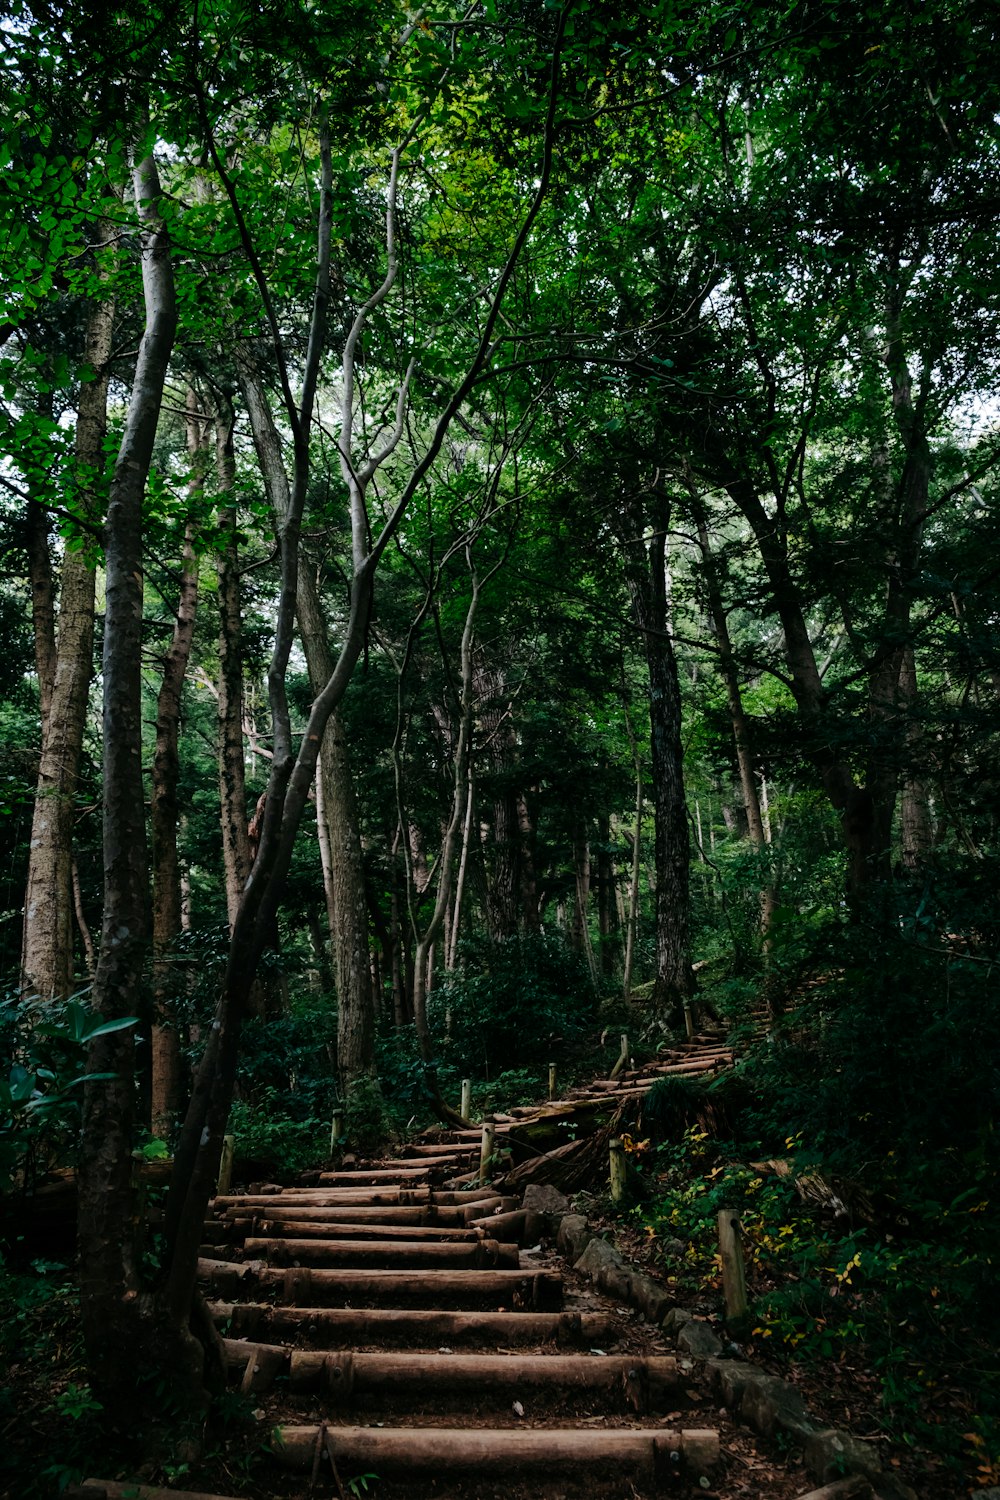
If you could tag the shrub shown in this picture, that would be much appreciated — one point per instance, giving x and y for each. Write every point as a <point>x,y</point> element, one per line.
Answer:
<point>511,1003</point>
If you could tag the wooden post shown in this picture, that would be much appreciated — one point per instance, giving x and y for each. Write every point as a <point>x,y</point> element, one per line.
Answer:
<point>689,1020</point>
<point>465,1108</point>
<point>226,1164</point>
<point>616,1152</point>
<point>623,1058</point>
<point>336,1128</point>
<point>734,1281</point>
<point>552,1080</point>
<point>486,1150</point>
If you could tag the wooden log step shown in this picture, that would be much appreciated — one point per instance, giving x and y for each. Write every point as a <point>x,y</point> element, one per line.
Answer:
<point>534,1291</point>
<point>351,1213</point>
<point>263,1322</point>
<point>626,1383</point>
<point>330,1229</point>
<point>455,1156</point>
<point>478,1254</point>
<point>358,1176</point>
<point>376,1197</point>
<point>521,1227</point>
<point>114,1489</point>
<point>634,1453</point>
<point>442,1148</point>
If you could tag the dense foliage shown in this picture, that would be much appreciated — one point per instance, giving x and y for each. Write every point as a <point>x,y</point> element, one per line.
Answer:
<point>521,480</point>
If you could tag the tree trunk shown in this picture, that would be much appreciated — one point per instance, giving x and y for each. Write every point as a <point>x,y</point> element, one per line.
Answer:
<point>646,576</point>
<point>344,877</point>
<point>232,763</point>
<point>529,883</point>
<point>502,867</point>
<point>112,1314</point>
<point>164,813</point>
<point>916,830</point>
<point>607,910</point>
<point>742,738</point>
<point>47,951</point>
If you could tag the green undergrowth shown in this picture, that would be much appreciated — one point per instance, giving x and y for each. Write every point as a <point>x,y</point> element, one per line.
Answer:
<point>856,1139</point>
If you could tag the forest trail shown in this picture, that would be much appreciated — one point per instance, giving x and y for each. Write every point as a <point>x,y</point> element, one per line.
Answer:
<point>400,1319</point>
<point>425,1303</point>
<point>405,1327</point>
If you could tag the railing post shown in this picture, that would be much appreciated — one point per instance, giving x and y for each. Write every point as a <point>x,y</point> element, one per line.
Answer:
<point>226,1164</point>
<point>486,1150</point>
<point>616,1152</point>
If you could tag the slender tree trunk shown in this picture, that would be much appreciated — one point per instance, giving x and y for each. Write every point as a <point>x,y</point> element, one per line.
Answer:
<point>346,896</point>
<point>461,791</point>
<point>529,883</point>
<point>232,763</point>
<point>113,1313</point>
<point>916,829</point>
<point>43,595</point>
<point>742,738</point>
<point>463,866</point>
<point>646,577</point>
<point>606,911</point>
<point>581,910</point>
<point>47,951</point>
<point>164,814</point>
<point>632,921</point>
<point>502,849</point>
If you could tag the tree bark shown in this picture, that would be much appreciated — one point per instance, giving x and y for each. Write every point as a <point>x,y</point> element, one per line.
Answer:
<point>646,578</point>
<point>742,738</point>
<point>47,950</point>
<point>341,836</point>
<point>164,812</point>
<point>232,764</point>
<point>111,1310</point>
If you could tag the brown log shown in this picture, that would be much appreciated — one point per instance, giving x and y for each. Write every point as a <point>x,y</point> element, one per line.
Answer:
<point>260,1321</point>
<point>416,1253</point>
<point>332,1230</point>
<point>113,1489</point>
<point>385,1197</point>
<point>638,1383</point>
<point>362,1177</point>
<point>442,1148</point>
<point>428,1213</point>
<point>521,1227</point>
<point>643,1453</point>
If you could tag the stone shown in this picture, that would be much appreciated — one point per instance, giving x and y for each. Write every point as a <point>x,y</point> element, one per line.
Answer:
<point>573,1236</point>
<point>831,1455</point>
<point>610,1273</point>
<point>699,1339</point>
<point>543,1198</point>
<point>597,1257</point>
<point>728,1379</point>
<point>676,1318</point>
<point>854,1488</point>
<point>771,1405</point>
